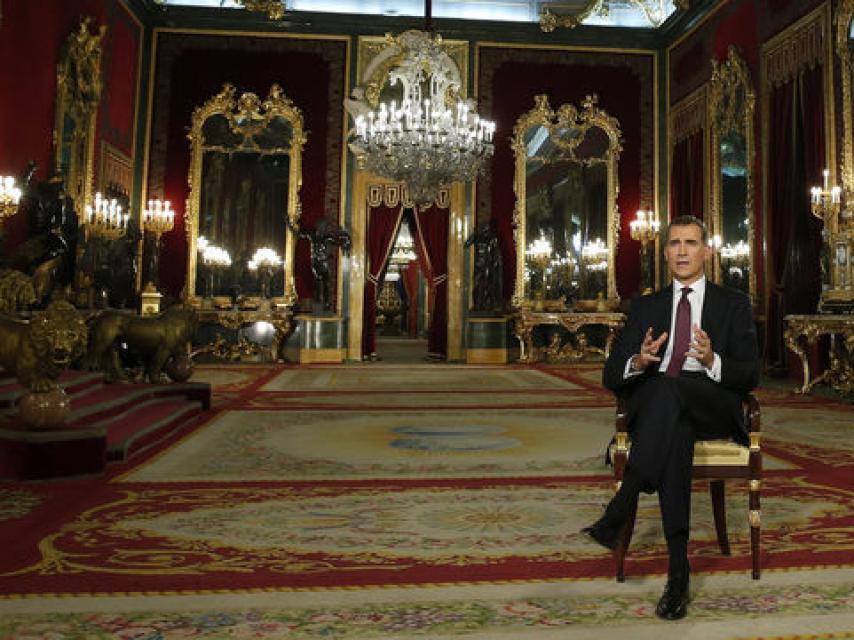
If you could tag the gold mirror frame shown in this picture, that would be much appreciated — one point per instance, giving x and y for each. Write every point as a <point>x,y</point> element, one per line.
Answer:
<point>566,117</point>
<point>246,115</point>
<point>78,94</point>
<point>844,17</point>
<point>732,104</point>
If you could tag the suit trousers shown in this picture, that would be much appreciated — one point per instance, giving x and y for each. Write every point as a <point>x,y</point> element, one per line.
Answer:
<point>667,415</point>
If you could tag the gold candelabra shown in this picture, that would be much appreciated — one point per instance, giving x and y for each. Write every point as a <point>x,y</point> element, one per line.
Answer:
<point>539,254</point>
<point>265,260</point>
<point>157,218</point>
<point>10,196</point>
<point>104,219</point>
<point>644,229</point>
<point>838,236</point>
<point>216,260</point>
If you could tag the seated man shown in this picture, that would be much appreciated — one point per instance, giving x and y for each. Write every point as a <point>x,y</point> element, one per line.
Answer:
<point>684,361</point>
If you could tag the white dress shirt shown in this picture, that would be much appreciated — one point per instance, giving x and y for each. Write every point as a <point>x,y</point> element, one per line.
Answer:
<point>695,299</point>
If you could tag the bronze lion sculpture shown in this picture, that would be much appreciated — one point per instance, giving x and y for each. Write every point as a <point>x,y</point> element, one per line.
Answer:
<point>38,351</point>
<point>17,291</point>
<point>158,338</point>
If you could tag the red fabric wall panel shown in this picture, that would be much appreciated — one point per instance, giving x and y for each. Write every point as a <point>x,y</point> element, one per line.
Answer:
<point>28,75</point>
<point>624,86</point>
<point>28,80</point>
<point>120,80</point>
<point>192,68</point>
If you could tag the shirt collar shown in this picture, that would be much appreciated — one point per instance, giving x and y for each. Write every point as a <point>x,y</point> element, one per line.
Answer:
<point>698,287</point>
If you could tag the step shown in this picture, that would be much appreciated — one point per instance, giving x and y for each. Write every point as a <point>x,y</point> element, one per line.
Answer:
<point>145,425</point>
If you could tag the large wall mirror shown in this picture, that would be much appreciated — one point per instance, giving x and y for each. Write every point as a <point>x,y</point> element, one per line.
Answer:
<point>566,206</point>
<point>245,176</point>
<point>78,94</point>
<point>731,108</point>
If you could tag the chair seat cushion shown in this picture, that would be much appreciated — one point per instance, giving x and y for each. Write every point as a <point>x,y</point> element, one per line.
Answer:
<point>712,453</point>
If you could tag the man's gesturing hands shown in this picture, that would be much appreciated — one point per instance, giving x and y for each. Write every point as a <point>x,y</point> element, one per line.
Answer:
<point>649,348</point>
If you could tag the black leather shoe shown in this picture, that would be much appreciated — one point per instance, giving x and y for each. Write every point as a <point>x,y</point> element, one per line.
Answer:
<point>603,533</point>
<point>673,604</point>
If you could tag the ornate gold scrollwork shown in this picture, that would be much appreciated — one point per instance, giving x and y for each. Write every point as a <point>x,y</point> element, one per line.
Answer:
<point>78,93</point>
<point>250,122</point>
<point>843,19</point>
<point>732,102</point>
<point>566,130</point>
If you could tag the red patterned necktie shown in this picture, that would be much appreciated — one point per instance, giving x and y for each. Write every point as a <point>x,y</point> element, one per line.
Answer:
<point>681,335</point>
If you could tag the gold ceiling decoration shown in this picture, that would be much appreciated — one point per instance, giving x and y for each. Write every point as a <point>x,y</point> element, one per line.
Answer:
<point>275,9</point>
<point>571,13</point>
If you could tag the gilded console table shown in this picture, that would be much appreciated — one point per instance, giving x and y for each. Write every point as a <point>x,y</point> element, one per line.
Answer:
<point>281,319</point>
<point>804,330</point>
<point>525,320</point>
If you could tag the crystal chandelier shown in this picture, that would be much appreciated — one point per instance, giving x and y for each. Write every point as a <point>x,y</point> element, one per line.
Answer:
<point>431,138</point>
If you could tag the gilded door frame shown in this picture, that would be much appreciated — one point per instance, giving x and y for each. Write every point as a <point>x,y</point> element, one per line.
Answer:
<point>359,262</point>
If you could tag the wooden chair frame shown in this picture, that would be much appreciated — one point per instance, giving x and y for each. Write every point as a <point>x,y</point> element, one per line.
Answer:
<point>716,473</point>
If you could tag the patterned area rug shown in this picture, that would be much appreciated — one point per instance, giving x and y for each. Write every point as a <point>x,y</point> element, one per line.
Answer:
<point>412,509</point>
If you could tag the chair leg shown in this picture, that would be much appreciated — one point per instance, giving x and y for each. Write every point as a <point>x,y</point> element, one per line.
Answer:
<point>623,542</point>
<point>754,519</point>
<point>718,494</point>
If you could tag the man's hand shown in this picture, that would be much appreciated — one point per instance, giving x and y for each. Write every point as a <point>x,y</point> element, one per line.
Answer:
<point>701,348</point>
<point>649,349</point>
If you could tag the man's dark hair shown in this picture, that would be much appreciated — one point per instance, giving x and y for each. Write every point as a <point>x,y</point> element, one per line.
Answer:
<point>683,221</point>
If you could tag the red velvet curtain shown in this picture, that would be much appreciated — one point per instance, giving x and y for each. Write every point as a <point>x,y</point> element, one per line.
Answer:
<point>410,283</point>
<point>431,241</point>
<point>383,223</point>
<point>797,157</point>
<point>686,178</point>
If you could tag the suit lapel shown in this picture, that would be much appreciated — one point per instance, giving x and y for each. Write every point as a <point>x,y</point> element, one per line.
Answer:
<point>713,311</point>
<point>664,313</point>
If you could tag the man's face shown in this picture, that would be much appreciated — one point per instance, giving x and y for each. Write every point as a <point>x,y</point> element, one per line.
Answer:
<point>686,252</point>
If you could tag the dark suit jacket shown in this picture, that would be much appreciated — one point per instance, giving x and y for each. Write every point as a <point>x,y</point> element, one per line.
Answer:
<point>726,317</point>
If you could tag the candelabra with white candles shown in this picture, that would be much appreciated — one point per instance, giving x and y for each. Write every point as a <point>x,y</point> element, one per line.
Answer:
<point>10,196</point>
<point>838,236</point>
<point>215,260</point>
<point>539,255</point>
<point>594,261</point>
<point>157,218</point>
<point>104,219</point>
<point>265,261</point>
<point>645,229</point>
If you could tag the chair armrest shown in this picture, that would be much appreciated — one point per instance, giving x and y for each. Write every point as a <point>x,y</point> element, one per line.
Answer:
<point>752,412</point>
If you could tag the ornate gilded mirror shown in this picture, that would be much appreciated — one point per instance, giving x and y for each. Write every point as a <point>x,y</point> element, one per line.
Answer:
<point>78,94</point>
<point>566,206</point>
<point>245,176</point>
<point>731,107</point>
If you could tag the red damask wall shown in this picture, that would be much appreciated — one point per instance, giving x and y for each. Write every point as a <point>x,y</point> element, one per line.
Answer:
<point>508,80</point>
<point>32,35</point>
<point>192,67</point>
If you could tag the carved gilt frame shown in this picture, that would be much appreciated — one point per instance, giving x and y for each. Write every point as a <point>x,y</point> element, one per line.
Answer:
<point>844,17</point>
<point>78,94</point>
<point>728,113</point>
<point>567,116</point>
<point>245,114</point>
